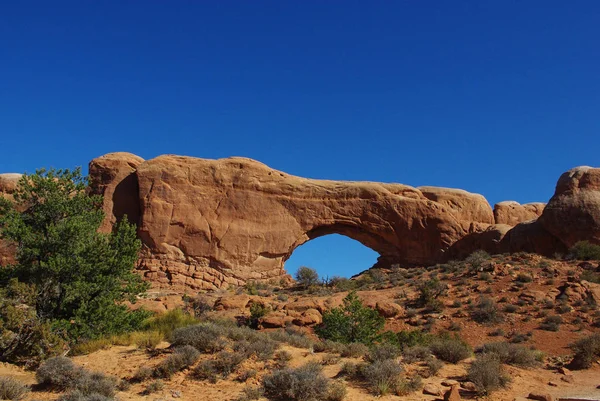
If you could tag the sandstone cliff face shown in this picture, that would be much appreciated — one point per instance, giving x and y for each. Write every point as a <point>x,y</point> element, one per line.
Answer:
<point>512,213</point>
<point>206,223</point>
<point>209,223</point>
<point>573,213</point>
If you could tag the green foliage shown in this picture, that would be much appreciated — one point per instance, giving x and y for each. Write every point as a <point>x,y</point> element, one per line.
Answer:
<point>382,377</point>
<point>80,275</point>
<point>586,351</point>
<point>584,250</point>
<point>486,311</point>
<point>450,349</point>
<point>307,276</point>
<point>429,291</point>
<point>257,311</point>
<point>166,323</point>
<point>477,259</point>
<point>24,338</point>
<point>353,322</point>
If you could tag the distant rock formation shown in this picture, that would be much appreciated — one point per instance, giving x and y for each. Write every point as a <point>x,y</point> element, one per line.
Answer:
<point>205,224</point>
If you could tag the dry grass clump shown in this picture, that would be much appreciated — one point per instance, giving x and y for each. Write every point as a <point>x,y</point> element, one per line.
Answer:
<point>382,352</point>
<point>62,374</point>
<point>12,389</point>
<point>205,337</point>
<point>512,354</point>
<point>224,364</point>
<point>586,351</point>
<point>450,349</point>
<point>182,358</point>
<point>487,373</point>
<point>301,384</point>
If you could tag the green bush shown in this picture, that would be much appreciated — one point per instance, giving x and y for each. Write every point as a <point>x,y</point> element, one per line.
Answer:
<point>257,311</point>
<point>382,377</point>
<point>166,323</point>
<point>301,384</point>
<point>306,276</point>
<point>80,275</point>
<point>586,351</point>
<point>353,322</point>
<point>429,291</point>
<point>512,354</point>
<point>551,323</point>
<point>12,389</point>
<point>381,352</point>
<point>585,250</point>
<point>450,349</point>
<point>477,259</point>
<point>487,374</point>
<point>486,311</point>
<point>182,358</point>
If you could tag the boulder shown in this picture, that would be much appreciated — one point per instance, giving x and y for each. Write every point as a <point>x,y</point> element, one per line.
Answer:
<point>273,320</point>
<point>540,396</point>
<point>573,213</point>
<point>389,309</point>
<point>308,318</point>
<point>235,302</point>
<point>431,389</point>
<point>512,213</point>
<point>453,394</point>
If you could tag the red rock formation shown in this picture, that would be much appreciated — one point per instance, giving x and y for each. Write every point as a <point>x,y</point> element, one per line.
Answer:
<point>513,213</point>
<point>573,213</point>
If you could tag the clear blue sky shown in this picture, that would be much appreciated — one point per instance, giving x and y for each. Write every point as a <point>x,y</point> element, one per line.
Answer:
<point>496,97</point>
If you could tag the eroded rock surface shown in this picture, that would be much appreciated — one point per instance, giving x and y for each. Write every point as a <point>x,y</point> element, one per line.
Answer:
<point>512,213</point>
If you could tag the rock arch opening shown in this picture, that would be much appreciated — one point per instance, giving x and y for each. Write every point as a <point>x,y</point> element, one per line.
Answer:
<point>332,255</point>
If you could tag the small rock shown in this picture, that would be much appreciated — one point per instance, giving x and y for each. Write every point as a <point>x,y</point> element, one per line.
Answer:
<point>568,378</point>
<point>540,396</point>
<point>469,386</point>
<point>450,383</point>
<point>564,370</point>
<point>553,384</point>
<point>452,394</point>
<point>176,394</point>
<point>432,389</point>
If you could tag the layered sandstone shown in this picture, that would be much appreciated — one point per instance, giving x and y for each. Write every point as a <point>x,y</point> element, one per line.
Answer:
<point>573,213</point>
<point>512,213</point>
<point>206,223</point>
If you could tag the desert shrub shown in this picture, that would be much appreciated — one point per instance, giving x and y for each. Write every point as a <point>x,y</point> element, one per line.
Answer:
<point>91,383</point>
<point>246,375</point>
<point>353,350</point>
<point>349,369</point>
<point>408,385</point>
<point>59,373</point>
<point>79,396</point>
<point>551,323</point>
<point>590,276</point>
<point>416,353</point>
<point>250,393</point>
<point>381,352</point>
<point>342,283</point>
<point>81,276</point>
<point>486,311</point>
<point>25,339</point>
<point>205,337</point>
<point>584,250</point>
<point>477,259</point>
<point>302,384</point>
<point>450,349</point>
<point>198,305</point>
<point>12,389</point>
<point>143,373</point>
<point>586,351</point>
<point>382,377</point>
<point>293,337</point>
<point>153,387</point>
<point>353,322</point>
<point>410,338</point>
<point>282,358</point>
<point>511,354</point>
<point>330,359</point>
<point>183,357</point>
<point>337,391</point>
<point>263,350</point>
<point>524,278</point>
<point>487,374</point>
<point>168,322</point>
<point>206,370</point>
<point>510,308</point>
<point>306,276</point>
<point>433,365</point>
<point>257,311</point>
<point>429,291</point>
